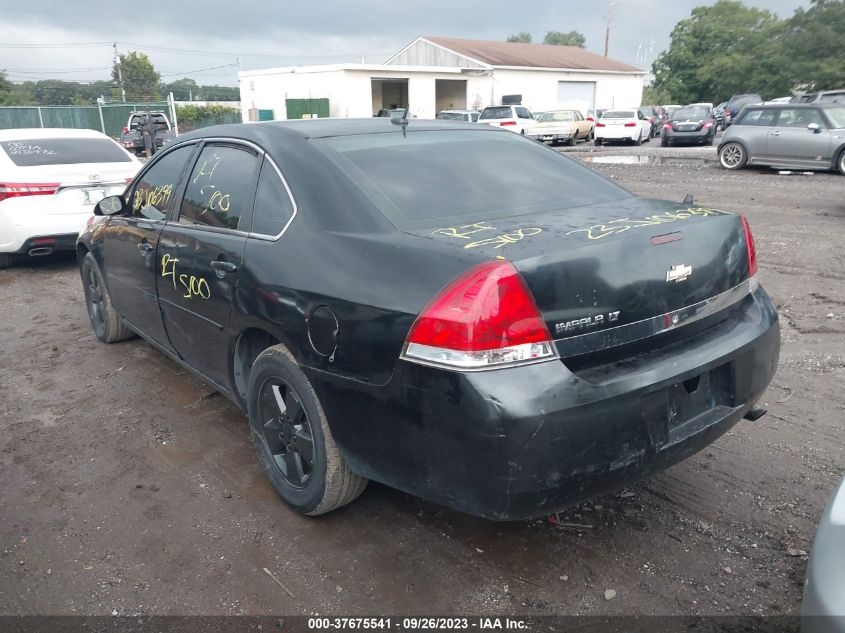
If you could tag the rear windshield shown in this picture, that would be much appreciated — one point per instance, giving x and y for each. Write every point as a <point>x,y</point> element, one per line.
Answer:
<point>833,97</point>
<point>452,116</point>
<point>63,151</point>
<point>620,114</point>
<point>837,117</point>
<point>503,112</point>
<point>556,116</point>
<point>434,178</point>
<point>688,114</point>
<point>159,121</point>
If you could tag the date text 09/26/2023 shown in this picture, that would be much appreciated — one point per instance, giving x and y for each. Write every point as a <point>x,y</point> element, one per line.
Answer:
<point>417,623</point>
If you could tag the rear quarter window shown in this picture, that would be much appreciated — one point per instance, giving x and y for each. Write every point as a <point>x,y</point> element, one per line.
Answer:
<point>758,117</point>
<point>63,151</point>
<point>503,112</point>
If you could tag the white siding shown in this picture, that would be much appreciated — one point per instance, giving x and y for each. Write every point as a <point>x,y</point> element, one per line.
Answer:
<point>422,53</point>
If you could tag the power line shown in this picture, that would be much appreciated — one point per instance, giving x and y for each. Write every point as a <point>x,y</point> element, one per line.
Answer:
<point>190,72</point>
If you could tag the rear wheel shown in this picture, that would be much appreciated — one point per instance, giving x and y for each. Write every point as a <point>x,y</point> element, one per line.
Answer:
<point>7,260</point>
<point>639,140</point>
<point>664,142</point>
<point>597,142</point>
<point>733,156</point>
<point>572,141</point>
<point>842,162</point>
<point>293,439</point>
<point>105,320</point>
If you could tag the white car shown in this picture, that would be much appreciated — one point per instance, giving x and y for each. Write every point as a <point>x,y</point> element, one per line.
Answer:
<point>514,118</point>
<point>50,180</point>
<point>458,115</point>
<point>623,125</point>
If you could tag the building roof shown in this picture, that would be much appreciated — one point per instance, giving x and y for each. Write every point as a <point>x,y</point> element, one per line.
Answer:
<point>531,55</point>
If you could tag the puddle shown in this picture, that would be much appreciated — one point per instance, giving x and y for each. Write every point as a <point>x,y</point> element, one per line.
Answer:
<point>641,159</point>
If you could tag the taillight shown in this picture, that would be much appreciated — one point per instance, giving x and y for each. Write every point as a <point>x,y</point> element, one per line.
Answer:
<point>18,189</point>
<point>504,123</point>
<point>129,181</point>
<point>125,130</point>
<point>630,124</point>
<point>599,124</point>
<point>589,118</point>
<point>667,126</point>
<point>708,125</point>
<point>485,318</point>
<point>749,245</point>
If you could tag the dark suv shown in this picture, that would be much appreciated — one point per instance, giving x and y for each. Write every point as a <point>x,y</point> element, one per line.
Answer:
<point>736,104</point>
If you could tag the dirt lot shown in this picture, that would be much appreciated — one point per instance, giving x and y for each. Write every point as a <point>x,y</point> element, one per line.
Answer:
<point>130,487</point>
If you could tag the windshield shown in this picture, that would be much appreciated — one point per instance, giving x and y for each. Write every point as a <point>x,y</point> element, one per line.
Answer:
<point>498,112</point>
<point>691,114</point>
<point>435,178</point>
<point>556,116</point>
<point>64,151</point>
<point>620,114</point>
<point>452,116</point>
<point>837,117</point>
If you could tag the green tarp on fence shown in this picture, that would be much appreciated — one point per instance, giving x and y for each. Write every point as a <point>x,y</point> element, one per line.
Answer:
<point>114,116</point>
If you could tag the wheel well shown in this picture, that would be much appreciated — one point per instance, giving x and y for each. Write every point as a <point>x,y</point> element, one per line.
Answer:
<point>250,344</point>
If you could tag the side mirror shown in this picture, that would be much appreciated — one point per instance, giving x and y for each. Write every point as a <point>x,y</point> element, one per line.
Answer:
<point>113,205</point>
<point>814,127</point>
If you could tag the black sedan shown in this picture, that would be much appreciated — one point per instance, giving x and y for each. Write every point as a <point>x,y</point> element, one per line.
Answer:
<point>690,124</point>
<point>386,301</point>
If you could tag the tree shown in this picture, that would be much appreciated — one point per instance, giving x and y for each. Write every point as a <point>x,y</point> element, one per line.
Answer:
<point>182,89</point>
<point>523,37</point>
<point>812,52</point>
<point>573,38</point>
<point>723,49</point>
<point>5,87</point>
<point>140,78</point>
<point>55,92</point>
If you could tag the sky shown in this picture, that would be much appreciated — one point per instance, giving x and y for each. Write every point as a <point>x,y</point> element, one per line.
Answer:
<point>209,40</point>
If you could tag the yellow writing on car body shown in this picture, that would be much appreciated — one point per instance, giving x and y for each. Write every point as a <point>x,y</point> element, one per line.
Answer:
<point>614,227</point>
<point>193,286</point>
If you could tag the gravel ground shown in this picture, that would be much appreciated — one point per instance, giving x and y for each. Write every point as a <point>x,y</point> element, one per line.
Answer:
<point>130,487</point>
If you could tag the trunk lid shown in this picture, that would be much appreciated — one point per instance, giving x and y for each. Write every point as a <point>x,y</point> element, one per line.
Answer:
<point>603,266</point>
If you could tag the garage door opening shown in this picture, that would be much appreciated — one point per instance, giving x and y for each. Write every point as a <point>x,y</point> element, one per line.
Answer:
<point>389,94</point>
<point>450,94</point>
<point>580,95</point>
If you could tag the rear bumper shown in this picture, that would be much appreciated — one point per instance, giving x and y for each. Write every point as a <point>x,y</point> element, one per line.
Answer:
<point>18,231</point>
<point>526,441</point>
<point>623,134</point>
<point>695,136</point>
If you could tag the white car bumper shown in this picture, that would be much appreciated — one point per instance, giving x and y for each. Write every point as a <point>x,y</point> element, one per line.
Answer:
<point>617,132</point>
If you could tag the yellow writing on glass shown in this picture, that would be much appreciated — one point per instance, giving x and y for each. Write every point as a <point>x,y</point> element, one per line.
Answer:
<point>464,232</point>
<point>157,197</point>
<point>614,227</point>
<point>192,285</point>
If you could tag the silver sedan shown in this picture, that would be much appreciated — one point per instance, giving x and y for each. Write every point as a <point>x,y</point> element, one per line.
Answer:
<point>824,590</point>
<point>786,136</point>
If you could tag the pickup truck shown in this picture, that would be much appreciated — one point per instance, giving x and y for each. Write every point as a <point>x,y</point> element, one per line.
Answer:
<point>132,136</point>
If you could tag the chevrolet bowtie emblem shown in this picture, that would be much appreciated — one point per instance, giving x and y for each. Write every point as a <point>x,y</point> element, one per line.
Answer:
<point>678,273</point>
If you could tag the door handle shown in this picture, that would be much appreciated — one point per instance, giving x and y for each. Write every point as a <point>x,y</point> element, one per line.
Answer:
<point>775,133</point>
<point>222,267</point>
<point>144,247</point>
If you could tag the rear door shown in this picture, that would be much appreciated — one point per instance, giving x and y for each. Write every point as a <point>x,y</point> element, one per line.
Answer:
<point>128,247</point>
<point>200,252</point>
<point>791,140</point>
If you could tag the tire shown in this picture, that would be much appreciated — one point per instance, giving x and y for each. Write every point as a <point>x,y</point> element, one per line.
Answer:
<point>840,163</point>
<point>297,431</point>
<point>105,320</point>
<point>597,142</point>
<point>733,156</point>
<point>639,140</point>
<point>7,260</point>
<point>589,137</point>
<point>572,141</point>
<point>664,142</point>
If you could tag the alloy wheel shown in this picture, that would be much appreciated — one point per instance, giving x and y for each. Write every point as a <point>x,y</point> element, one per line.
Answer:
<point>732,156</point>
<point>287,431</point>
<point>95,297</point>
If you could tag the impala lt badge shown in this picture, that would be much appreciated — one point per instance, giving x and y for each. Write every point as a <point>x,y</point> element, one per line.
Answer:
<point>678,273</point>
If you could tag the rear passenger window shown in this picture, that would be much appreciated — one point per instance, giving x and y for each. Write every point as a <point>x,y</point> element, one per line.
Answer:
<point>759,117</point>
<point>273,206</point>
<point>220,187</point>
<point>523,113</point>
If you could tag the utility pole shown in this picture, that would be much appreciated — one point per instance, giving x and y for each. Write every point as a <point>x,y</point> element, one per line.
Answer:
<point>610,6</point>
<point>119,73</point>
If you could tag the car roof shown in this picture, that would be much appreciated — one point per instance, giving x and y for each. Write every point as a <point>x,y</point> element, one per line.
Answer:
<point>793,106</point>
<point>48,132</point>
<point>322,128</point>
<point>460,111</point>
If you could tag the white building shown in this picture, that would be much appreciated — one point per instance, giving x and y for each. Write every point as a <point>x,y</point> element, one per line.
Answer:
<point>433,74</point>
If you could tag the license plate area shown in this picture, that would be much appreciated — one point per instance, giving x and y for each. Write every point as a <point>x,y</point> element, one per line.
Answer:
<point>670,414</point>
